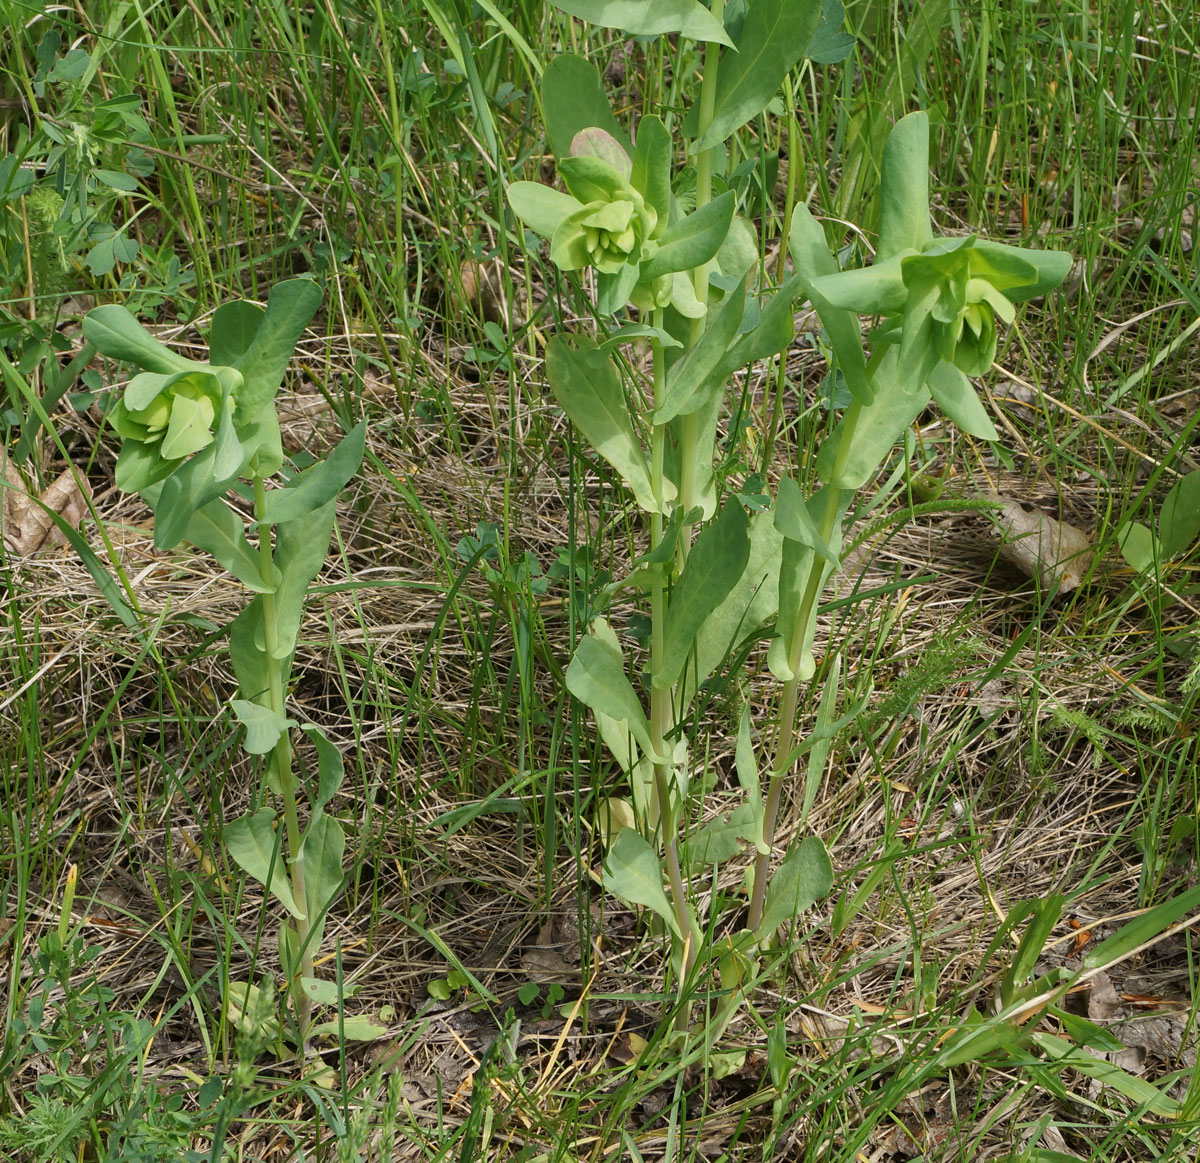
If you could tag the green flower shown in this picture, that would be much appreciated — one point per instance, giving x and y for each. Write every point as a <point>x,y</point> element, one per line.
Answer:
<point>939,298</point>
<point>164,419</point>
<point>616,216</point>
<point>612,221</point>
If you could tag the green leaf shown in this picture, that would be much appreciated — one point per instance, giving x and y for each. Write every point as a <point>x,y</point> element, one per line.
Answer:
<point>597,678</point>
<point>875,290</point>
<point>753,600</point>
<point>331,768</point>
<point>978,1038</point>
<point>814,259</point>
<point>301,547</point>
<point>775,329</point>
<point>1146,927</point>
<point>955,396</point>
<point>264,727</point>
<point>714,565</point>
<point>790,651</point>
<point>830,44</point>
<point>745,760</point>
<point>797,518</point>
<point>1179,518</point>
<point>234,326</point>
<point>804,877</point>
<point>1138,546</point>
<point>573,98</point>
<point>326,993</point>
<point>773,39</point>
<point>251,1009</point>
<point>358,1028</point>
<point>290,308</point>
<point>540,207</point>
<point>189,488</point>
<point>254,844</point>
<point>651,173</point>
<point>1066,1054</point>
<point>1050,268</point>
<point>880,424</point>
<point>1045,914</point>
<point>632,873</point>
<point>904,188</point>
<point>218,530</point>
<point>630,331</point>
<point>248,657</point>
<point>320,857</point>
<point>650,17</point>
<point>315,487</point>
<point>725,837</point>
<point>693,240</point>
<point>586,384</point>
<point>1090,1034</point>
<point>114,332</point>
<point>693,375</point>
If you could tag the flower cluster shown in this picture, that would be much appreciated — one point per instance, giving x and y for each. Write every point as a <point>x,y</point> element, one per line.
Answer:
<point>939,298</point>
<point>164,419</point>
<point>614,216</point>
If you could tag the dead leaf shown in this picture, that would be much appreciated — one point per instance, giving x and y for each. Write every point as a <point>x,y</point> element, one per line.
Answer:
<point>483,288</point>
<point>1051,552</point>
<point>25,521</point>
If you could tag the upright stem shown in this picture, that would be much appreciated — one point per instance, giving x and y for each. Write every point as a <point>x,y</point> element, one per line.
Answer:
<point>704,173</point>
<point>790,697</point>
<point>795,165</point>
<point>280,766</point>
<point>660,700</point>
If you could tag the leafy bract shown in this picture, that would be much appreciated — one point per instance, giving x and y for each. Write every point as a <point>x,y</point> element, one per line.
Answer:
<point>573,98</point>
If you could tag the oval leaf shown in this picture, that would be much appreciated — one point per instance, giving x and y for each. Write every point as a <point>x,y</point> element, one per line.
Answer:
<point>253,843</point>
<point>586,384</point>
<point>632,872</point>
<point>804,877</point>
<point>713,568</point>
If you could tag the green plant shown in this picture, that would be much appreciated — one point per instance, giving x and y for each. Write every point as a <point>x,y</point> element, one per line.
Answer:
<point>690,274</point>
<point>1151,552</point>
<point>192,433</point>
<point>65,185</point>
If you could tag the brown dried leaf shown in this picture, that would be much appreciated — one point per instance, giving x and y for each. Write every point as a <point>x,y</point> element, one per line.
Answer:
<point>25,521</point>
<point>483,288</point>
<point>1051,552</point>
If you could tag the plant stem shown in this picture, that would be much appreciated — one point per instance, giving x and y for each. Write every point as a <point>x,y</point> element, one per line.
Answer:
<point>704,173</point>
<point>280,768</point>
<point>795,164</point>
<point>790,696</point>
<point>660,700</point>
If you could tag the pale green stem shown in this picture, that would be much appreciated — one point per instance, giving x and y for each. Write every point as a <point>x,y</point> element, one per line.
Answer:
<point>790,696</point>
<point>704,170</point>
<point>795,165</point>
<point>280,763</point>
<point>660,700</point>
